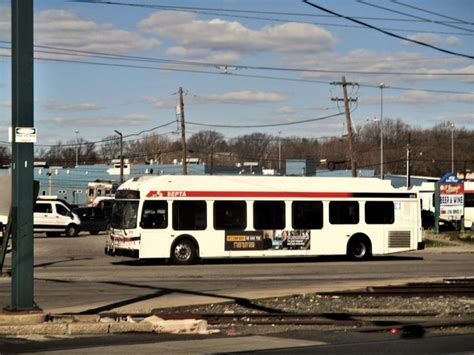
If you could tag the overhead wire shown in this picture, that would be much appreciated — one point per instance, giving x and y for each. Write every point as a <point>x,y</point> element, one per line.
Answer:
<point>261,12</point>
<point>432,12</point>
<point>442,23</point>
<point>389,33</point>
<point>101,55</point>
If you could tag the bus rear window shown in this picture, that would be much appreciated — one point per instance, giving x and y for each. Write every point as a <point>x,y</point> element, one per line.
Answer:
<point>468,200</point>
<point>379,212</point>
<point>189,215</point>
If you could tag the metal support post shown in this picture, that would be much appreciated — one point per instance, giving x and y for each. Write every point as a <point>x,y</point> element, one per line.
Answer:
<point>22,157</point>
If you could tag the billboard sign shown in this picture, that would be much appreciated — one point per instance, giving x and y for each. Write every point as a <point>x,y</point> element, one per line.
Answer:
<point>451,197</point>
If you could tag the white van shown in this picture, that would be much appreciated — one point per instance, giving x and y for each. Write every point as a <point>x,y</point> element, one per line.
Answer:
<point>54,217</point>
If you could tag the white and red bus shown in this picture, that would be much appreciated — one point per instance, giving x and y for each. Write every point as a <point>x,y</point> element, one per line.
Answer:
<point>469,205</point>
<point>184,218</point>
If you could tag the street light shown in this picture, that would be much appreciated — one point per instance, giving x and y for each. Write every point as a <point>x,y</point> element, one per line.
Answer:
<point>381,86</point>
<point>77,148</point>
<point>121,155</point>
<point>452,148</point>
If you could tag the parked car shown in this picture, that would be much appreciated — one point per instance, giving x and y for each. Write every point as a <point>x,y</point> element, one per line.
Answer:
<point>54,217</point>
<point>428,221</point>
<point>93,219</point>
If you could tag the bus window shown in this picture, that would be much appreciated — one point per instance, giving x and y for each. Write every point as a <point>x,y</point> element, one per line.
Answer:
<point>154,215</point>
<point>379,212</point>
<point>269,215</point>
<point>189,215</point>
<point>307,215</point>
<point>344,212</point>
<point>230,215</point>
<point>468,200</point>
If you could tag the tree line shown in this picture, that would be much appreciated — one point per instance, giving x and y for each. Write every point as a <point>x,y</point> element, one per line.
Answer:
<point>430,149</point>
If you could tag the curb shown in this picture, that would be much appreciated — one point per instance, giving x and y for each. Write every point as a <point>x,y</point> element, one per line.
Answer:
<point>95,325</point>
<point>76,328</point>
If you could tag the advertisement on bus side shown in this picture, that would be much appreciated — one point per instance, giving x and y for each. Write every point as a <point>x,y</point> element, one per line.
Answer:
<point>268,240</point>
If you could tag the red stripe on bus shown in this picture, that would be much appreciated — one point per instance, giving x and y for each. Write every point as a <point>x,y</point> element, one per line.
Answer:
<point>247,194</point>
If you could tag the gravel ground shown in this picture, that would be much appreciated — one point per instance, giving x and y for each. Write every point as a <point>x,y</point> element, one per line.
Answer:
<point>408,308</point>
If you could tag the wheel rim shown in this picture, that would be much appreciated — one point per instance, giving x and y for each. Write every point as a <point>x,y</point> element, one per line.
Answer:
<point>71,231</point>
<point>182,252</point>
<point>359,249</point>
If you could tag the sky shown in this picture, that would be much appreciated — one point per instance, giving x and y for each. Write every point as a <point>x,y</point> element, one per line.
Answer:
<point>104,67</point>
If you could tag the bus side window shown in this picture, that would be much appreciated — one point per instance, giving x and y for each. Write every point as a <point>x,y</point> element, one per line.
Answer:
<point>268,215</point>
<point>379,212</point>
<point>344,212</point>
<point>230,215</point>
<point>154,215</point>
<point>307,215</point>
<point>189,215</point>
<point>468,200</point>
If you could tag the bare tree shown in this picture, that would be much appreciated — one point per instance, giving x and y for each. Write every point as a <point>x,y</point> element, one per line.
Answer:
<point>205,143</point>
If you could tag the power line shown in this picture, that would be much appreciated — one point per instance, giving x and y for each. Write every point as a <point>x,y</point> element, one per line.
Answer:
<point>194,8</point>
<point>102,55</point>
<point>389,33</point>
<point>442,23</point>
<point>266,125</point>
<point>432,12</point>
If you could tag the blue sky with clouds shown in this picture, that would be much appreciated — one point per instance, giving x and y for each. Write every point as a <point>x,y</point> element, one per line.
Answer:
<point>97,95</point>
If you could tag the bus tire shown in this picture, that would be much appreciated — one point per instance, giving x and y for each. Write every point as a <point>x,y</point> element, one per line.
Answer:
<point>183,252</point>
<point>359,247</point>
<point>72,230</point>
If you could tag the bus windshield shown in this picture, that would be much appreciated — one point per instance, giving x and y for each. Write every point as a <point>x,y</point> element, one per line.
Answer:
<point>124,214</point>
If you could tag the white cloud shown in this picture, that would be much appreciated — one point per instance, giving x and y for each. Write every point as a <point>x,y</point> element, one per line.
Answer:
<point>466,118</point>
<point>197,38</point>
<point>420,97</point>
<point>366,60</point>
<point>234,97</point>
<point>285,110</point>
<point>65,29</point>
<point>434,39</point>
<point>100,121</point>
<point>138,118</point>
<point>56,106</point>
<point>246,96</point>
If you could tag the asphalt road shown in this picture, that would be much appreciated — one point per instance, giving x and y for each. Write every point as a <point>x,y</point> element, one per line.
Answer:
<point>73,275</point>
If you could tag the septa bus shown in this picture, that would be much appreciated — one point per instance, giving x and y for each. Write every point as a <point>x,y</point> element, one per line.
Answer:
<point>185,218</point>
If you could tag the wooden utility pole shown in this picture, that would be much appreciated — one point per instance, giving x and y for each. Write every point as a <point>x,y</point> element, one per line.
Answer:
<point>408,182</point>
<point>348,120</point>
<point>183,134</point>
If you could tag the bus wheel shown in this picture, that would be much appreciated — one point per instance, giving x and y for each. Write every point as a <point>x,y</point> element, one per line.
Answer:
<point>184,252</point>
<point>359,248</point>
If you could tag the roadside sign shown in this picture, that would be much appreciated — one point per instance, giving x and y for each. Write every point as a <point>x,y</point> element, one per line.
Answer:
<point>451,197</point>
<point>25,135</point>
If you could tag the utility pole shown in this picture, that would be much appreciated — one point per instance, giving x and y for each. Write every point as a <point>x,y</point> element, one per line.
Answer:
<point>183,134</point>
<point>279,152</point>
<point>452,148</point>
<point>381,86</point>
<point>408,166</point>
<point>22,285</point>
<point>77,148</point>
<point>121,155</point>
<point>348,119</point>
